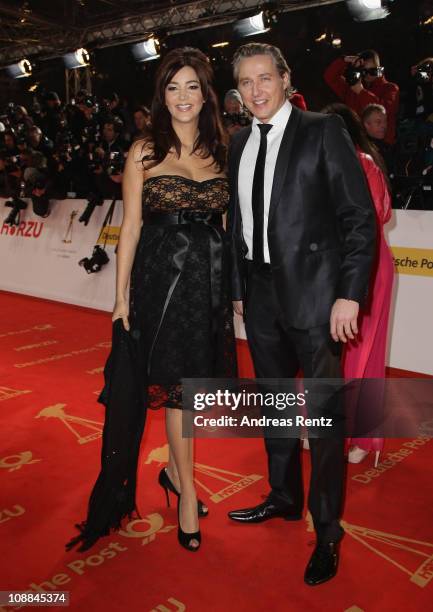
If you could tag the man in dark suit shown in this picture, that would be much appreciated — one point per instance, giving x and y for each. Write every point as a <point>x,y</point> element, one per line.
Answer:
<point>302,232</point>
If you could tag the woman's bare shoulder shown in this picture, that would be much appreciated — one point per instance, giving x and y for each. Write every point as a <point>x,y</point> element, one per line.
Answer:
<point>141,150</point>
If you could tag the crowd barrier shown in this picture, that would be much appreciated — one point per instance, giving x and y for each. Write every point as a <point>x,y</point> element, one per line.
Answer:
<point>40,257</point>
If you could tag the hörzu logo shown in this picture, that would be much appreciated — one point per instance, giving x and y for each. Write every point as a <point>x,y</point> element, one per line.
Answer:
<point>26,229</point>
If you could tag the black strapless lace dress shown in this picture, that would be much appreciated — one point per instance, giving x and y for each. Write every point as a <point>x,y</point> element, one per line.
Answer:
<point>181,326</point>
<point>180,302</point>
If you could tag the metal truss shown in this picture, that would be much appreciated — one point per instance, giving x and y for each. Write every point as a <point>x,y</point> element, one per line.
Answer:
<point>76,80</point>
<point>180,17</point>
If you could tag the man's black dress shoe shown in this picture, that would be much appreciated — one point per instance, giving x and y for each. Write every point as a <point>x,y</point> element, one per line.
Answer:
<point>263,512</point>
<point>323,564</point>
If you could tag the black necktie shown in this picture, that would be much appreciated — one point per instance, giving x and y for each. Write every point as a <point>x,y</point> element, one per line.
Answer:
<point>258,196</point>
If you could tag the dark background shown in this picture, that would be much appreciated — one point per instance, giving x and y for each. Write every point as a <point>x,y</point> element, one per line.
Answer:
<point>400,40</point>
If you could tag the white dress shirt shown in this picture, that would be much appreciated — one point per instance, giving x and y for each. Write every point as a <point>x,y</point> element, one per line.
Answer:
<point>246,174</point>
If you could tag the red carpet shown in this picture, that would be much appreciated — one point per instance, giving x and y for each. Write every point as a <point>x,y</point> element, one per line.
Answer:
<point>52,357</point>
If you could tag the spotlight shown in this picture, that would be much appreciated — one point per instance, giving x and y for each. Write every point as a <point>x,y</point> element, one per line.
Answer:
<point>20,70</point>
<point>336,42</point>
<point>77,59</point>
<point>146,50</point>
<point>321,38</point>
<point>257,24</point>
<point>368,10</point>
<point>220,44</point>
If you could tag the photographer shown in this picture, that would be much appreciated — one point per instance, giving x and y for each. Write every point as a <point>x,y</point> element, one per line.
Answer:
<point>50,116</point>
<point>37,181</point>
<point>11,171</point>
<point>415,169</point>
<point>235,115</point>
<point>419,91</point>
<point>22,120</point>
<point>69,168</point>
<point>10,175</point>
<point>9,143</point>
<point>358,81</point>
<point>38,142</point>
<point>141,122</point>
<point>107,159</point>
<point>84,123</point>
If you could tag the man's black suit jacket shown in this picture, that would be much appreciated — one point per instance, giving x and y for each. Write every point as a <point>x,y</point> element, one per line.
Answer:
<point>321,226</point>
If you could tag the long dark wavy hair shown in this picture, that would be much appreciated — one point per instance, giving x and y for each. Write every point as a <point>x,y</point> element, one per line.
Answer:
<point>212,138</point>
<point>357,133</point>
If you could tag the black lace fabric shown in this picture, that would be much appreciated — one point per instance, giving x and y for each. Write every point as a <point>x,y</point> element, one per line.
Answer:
<point>186,336</point>
<point>171,193</point>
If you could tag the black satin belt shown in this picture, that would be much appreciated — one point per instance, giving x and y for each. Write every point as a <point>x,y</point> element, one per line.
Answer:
<point>183,217</point>
<point>191,222</point>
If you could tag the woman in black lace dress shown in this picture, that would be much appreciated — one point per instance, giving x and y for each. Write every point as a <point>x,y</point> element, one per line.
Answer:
<point>173,253</point>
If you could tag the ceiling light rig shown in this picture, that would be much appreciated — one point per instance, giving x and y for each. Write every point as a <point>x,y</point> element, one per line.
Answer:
<point>147,50</point>
<point>77,59</point>
<point>256,24</point>
<point>20,70</point>
<point>368,10</point>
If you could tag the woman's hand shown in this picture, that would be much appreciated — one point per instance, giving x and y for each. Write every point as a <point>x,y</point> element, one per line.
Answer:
<point>238,307</point>
<point>121,311</point>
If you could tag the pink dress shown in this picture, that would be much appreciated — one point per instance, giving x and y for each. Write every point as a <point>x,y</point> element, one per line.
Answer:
<point>365,356</point>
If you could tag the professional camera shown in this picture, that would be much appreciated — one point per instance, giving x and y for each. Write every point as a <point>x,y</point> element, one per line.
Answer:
<point>96,161</point>
<point>85,99</point>
<point>67,148</point>
<point>91,135</point>
<point>17,205</point>
<point>116,163</point>
<point>94,201</point>
<point>241,119</point>
<point>353,74</point>
<point>94,263</point>
<point>424,73</point>
<point>413,192</point>
<point>12,163</point>
<point>11,112</point>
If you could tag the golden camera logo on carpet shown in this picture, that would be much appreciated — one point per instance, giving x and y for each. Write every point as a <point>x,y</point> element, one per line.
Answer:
<point>412,556</point>
<point>408,260</point>
<point>6,393</point>
<point>232,482</point>
<point>74,424</point>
